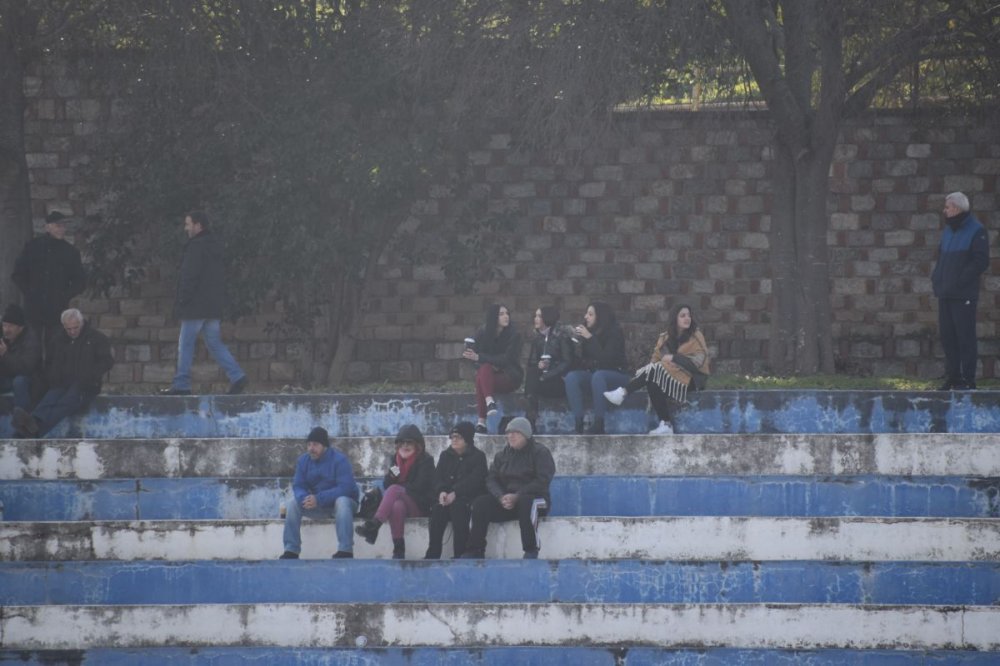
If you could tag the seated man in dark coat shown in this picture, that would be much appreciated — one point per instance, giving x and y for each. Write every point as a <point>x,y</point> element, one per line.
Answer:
<point>517,489</point>
<point>459,478</point>
<point>77,360</point>
<point>20,356</point>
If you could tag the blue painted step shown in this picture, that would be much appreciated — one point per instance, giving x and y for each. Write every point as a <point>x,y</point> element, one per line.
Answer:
<point>499,656</point>
<point>213,498</point>
<point>750,411</point>
<point>566,581</point>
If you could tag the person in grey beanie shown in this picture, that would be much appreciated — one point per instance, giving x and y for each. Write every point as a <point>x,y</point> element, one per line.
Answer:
<point>459,478</point>
<point>517,488</point>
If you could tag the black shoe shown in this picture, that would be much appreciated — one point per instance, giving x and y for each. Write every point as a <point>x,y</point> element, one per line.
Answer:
<point>578,427</point>
<point>238,386</point>
<point>399,549</point>
<point>947,386</point>
<point>289,555</point>
<point>473,555</point>
<point>962,386</point>
<point>530,555</point>
<point>481,429</point>
<point>24,423</point>
<point>343,555</point>
<point>597,428</point>
<point>432,556</point>
<point>368,530</point>
<point>491,408</point>
<point>174,391</point>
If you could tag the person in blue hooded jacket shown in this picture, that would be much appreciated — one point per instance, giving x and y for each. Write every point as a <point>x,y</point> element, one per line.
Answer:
<point>963,255</point>
<point>323,486</point>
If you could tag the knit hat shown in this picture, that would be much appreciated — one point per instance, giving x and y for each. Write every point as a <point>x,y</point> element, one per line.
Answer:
<point>521,425</point>
<point>55,217</point>
<point>320,436</point>
<point>466,430</point>
<point>410,431</point>
<point>14,315</point>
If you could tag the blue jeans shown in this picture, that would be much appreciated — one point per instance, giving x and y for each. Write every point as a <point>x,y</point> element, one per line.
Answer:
<point>57,404</point>
<point>20,387</point>
<point>598,381</point>
<point>210,330</point>
<point>342,511</point>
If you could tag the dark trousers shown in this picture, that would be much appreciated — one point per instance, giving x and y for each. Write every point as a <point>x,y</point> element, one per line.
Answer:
<point>457,513</point>
<point>535,388</point>
<point>665,407</point>
<point>59,403</point>
<point>957,324</point>
<point>487,509</point>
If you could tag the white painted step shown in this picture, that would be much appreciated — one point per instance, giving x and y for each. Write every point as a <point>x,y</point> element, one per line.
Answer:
<point>795,626</point>
<point>697,538</point>
<point>617,455</point>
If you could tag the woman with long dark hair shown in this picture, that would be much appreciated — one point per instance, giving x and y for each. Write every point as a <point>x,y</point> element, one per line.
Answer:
<point>603,364</point>
<point>549,359</point>
<point>496,351</point>
<point>679,362</point>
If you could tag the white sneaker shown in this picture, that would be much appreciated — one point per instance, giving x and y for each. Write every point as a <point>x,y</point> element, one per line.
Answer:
<point>663,429</point>
<point>617,396</point>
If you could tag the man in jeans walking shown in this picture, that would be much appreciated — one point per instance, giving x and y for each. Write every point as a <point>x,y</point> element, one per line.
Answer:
<point>201,296</point>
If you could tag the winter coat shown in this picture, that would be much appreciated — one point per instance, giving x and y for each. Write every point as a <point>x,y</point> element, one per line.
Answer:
<point>559,345</point>
<point>327,479</point>
<point>963,255</point>
<point>420,482</point>
<point>49,273</point>
<point>527,471</point>
<point>504,354</point>
<point>24,355</point>
<point>465,474</point>
<point>83,360</point>
<point>201,285</point>
<point>605,349</point>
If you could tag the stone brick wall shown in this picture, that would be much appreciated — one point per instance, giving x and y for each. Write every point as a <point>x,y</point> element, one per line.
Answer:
<point>676,208</point>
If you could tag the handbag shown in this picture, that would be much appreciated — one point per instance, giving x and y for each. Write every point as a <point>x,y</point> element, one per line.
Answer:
<point>369,503</point>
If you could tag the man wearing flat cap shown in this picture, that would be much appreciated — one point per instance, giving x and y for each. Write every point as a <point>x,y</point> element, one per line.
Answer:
<point>459,478</point>
<point>517,489</point>
<point>323,487</point>
<point>49,274</point>
<point>20,356</point>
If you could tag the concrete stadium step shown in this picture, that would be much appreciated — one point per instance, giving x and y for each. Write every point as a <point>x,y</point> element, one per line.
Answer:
<point>498,581</point>
<point>698,538</point>
<point>751,411</point>
<point>782,626</point>
<point>245,498</point>
<point>497,656</point>
<point>708,455</point>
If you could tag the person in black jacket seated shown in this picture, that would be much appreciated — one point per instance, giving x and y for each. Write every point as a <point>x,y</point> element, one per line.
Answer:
<point>459,478</point>
<point>409,490</point>
<point>76,362</point>
<point>497,353</point>
<point>20,356</point>
<point>517,488</point>
<point>603,360</point>
<point>550,358</point>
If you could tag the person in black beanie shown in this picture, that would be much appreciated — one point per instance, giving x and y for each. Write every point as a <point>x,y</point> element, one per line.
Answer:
<point>20,356</point>
<point>459,478</point>
<point>323,486</point>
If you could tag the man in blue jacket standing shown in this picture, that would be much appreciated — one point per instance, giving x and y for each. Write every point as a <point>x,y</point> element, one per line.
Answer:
<point>323,486</point>
<point>964,254</point>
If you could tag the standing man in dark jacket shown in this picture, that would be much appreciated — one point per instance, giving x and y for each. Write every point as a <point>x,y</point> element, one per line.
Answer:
<point>49,273</point>
<point>75,365</point>
<point>459,478</point>
<point>20,356</point>
<point>964,254</point>
<point>517,489</point>
<point>201,300</point>
<point>323,486</point>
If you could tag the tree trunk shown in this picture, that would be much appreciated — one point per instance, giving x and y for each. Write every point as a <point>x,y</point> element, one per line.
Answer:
<point>801,340</point>
<point>15,190</point>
